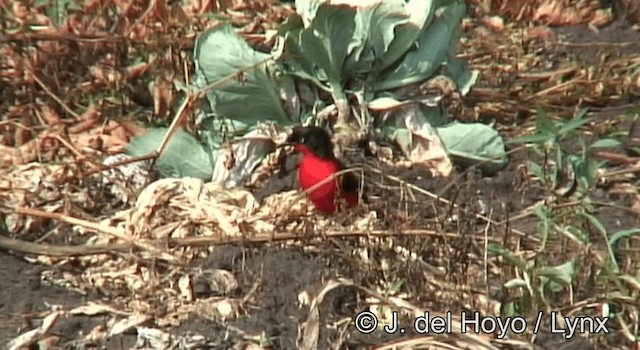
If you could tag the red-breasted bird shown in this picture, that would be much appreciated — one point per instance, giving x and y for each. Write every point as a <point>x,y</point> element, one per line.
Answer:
<point>317,163</point>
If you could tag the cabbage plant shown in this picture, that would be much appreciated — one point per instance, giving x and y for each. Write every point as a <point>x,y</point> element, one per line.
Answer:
<point>358,58</point>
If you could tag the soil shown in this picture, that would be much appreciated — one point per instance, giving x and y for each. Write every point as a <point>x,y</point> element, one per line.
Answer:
<point>282,273</point>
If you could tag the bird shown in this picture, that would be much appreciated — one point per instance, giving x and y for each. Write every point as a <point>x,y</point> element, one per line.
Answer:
<point>317,163</point>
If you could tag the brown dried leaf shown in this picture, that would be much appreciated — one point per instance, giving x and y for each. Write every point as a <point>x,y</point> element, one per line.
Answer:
<point>9,156</point>
<point>632,9</point>
<point>50,342</point>
<point>23,132</point>
<point>185,288</point>
<point>563,12</point>
<point>32,336</point>
<point>93,309</point>
<point>137,32</point>
<point>162,94</point>
<point>198,7</point>
<point>120,133</point>
<point>635,205</point>
<point>92,113</point>
<point>106,74</point>
<point>137,70</point>
<point>127,323</point>
<point>127,8</point>
<point>98,333</point>
<point>542,33</point>
<point>133,128</point>
<point>495,23</point>
<point>50,115</point>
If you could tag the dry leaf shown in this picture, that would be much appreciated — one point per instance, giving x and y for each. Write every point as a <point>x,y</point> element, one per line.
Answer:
<point>185,287</point>
<point>126,323</point>
<point>32,336</point>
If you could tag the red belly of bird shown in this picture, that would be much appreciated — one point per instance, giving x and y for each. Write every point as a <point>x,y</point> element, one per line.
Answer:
<point>313,170</point>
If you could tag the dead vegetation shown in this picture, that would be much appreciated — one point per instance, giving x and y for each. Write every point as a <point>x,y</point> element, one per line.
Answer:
<point>76,87</point>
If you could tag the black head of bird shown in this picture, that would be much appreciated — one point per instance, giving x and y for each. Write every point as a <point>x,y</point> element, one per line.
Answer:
<point>315,139</point>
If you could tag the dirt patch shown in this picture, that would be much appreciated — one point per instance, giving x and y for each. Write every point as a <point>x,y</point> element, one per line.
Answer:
<point>24,298</point>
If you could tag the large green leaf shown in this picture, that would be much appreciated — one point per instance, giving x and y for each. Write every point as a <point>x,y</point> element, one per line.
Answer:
<point>321,49</point>
<point>184,156</point>
<point>306,9</point>
<point>558,277</point>
<point>328,39</point>
<point>434,45</point>
<point>251,98</point>
<point>474,143</point>
<point>419,14</point>
<point>373,35</point>
<point>294,60</point>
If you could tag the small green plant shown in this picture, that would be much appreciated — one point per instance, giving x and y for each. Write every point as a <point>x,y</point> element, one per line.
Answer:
<point>559,164</point>
<point>537,282</point>
<point>568,211</point>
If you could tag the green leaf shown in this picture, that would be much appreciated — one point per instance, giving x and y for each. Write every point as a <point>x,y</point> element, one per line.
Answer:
<point>579,233</point>
<point>294,59</point>
<point>586,169</point>
<point>571,126</point>
<point>613,240</point>
<point>459,72</point>
<point>595,222</point>
<point>419,15</point>
<point>515,283</point>
<point>472,143</point>
<point>57,10</point>
<point>328,41</point>
<point>395,286</point>
<point>536,170</point>
<point>557,277</point>
<point>387,23</point>
<point>606,143</point>
<point>250,99</point>
<point>501,251</point>
<point>183,156</point>
<point>598,225</point>
<point>544,224</point>
<point>373,34</point>
<point>319,51</point>
<point>508,310</point>
<point>433,47</point>
<point>402,136</point>
<point>436,116</point>
<point>544,125</point>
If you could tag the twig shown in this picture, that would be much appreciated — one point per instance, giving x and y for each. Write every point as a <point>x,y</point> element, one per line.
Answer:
<point>193,97</point>
<point>102,167</point>
<point>54,97</point>
<point>112,231</point>
<point>26,247</point>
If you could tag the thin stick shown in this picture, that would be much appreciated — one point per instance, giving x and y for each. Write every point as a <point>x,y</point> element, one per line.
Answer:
<point>27,247</point>
<point>54,97</point>
<point>192,97</point>
<point>112,231</point>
